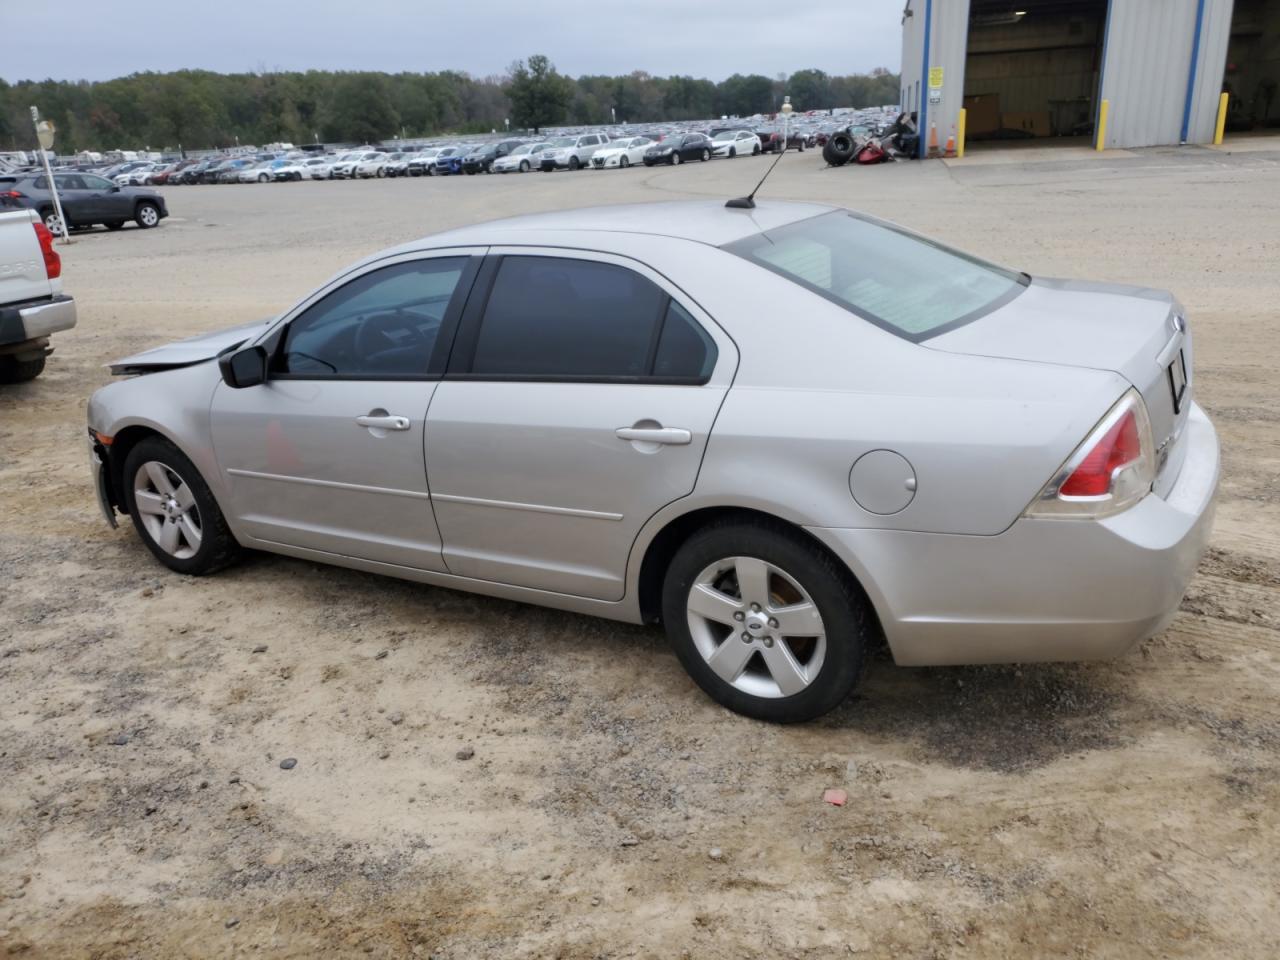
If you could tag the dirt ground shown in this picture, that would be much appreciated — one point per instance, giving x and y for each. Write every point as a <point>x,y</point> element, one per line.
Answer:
<point>1123,809</point>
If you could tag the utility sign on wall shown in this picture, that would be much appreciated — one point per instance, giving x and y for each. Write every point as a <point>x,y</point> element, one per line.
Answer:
<point>935,84</point>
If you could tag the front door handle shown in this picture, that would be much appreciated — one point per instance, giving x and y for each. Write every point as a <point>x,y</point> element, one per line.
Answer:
<point>672,435</point>
<point>386,422</point>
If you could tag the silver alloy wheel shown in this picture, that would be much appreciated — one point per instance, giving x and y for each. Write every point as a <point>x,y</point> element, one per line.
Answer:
<point>149,215</point>
<point>53,224</point>
<point>756,627</point>
<point>167,509</point>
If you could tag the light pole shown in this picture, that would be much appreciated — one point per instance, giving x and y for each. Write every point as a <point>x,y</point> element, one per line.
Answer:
<point>786,122</point>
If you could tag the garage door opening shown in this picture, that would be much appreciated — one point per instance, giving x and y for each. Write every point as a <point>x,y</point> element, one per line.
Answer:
<point>1252,76</point>
<point>1032,71</point>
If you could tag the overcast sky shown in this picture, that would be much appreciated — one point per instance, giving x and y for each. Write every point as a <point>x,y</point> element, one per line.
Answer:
<point>89,39</point>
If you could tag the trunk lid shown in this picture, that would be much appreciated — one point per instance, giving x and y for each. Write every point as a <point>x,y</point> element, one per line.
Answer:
<point>1137,332</point>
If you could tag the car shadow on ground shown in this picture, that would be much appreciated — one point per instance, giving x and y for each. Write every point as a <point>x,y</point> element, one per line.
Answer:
<point>1005,718</point>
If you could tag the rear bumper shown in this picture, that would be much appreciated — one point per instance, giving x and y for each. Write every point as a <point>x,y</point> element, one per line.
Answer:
<point>1043,589</point>
<point>36,319</point>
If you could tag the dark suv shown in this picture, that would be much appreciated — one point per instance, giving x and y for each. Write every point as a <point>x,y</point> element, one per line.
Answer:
<point>86,199</point>
<point>482,157</point>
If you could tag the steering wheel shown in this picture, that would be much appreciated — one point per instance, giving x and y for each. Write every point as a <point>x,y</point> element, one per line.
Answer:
<point>374,334</point>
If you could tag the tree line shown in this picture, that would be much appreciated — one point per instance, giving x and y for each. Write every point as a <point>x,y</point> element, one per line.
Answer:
<point>199,109</point>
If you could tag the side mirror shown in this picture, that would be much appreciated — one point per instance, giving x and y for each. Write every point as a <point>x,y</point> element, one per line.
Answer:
<point>244,368</point>
<point>115,188</point>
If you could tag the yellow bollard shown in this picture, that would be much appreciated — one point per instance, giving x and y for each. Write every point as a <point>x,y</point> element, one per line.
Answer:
<point>1222,119</point>
<point>1101,141</point>
<point>960,133</point>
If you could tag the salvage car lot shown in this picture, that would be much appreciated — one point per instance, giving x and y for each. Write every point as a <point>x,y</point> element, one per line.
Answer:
<point>1125,808</point>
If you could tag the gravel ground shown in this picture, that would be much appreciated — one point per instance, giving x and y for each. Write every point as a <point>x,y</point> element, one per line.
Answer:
<point>476,778</point>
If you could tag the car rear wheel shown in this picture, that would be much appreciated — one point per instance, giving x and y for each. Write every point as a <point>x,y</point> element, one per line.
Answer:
<point>765,622</point>
<point>148,215</point>
<point>52,222</point>
<point>706,155</point>
<point>13,370</point>
<point>174,511</point>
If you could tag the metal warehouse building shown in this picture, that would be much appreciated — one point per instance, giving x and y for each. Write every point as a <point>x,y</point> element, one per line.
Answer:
<point>1128,73</point>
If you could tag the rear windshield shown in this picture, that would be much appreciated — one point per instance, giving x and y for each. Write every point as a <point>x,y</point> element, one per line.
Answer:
<point>910,286</point>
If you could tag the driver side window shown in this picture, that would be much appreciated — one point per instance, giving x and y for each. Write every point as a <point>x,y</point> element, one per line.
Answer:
<point>381,325</point>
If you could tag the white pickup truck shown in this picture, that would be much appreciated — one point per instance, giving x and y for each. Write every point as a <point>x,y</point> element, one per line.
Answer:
<point>32,304</point>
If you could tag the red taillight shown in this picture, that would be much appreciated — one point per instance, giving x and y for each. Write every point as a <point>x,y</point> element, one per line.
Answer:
<point>1117,448</point>
<point>52,262</point>
<point>13,194</point>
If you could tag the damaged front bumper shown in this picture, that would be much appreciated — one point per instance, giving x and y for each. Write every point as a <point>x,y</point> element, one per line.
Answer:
<point>101,481</point>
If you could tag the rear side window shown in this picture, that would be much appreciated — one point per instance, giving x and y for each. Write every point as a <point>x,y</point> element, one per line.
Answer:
<point>567,319</point>
<point>685,352</point>
<point>910,286</point>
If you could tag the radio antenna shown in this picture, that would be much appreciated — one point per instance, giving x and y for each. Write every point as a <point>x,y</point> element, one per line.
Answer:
<point>749,201</point>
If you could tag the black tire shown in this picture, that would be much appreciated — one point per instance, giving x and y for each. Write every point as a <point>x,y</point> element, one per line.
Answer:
<point>733,152</point>
<point>49,217</point>
<point>838,150</point>
<point>755,150</point>
<point>263,178</point>
<point>846,615</point>
<point>13,370</point>
<point>623,162</point>
<point>218,548</point>
<point>676,159</point>
<point>574,163</point>
<point>147,220</point>
<point>114,224</point>
<point>706,155</point>
<point>380,173</point>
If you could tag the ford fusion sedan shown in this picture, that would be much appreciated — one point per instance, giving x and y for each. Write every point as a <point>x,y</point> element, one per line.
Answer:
<point>621,153</point>
<point>590,410</point>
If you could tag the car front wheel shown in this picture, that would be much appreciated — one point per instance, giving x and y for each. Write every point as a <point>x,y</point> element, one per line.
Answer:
<point>765,622</point>
<point>148,215</point>
<point>676,160</point>
<point>174,511</point>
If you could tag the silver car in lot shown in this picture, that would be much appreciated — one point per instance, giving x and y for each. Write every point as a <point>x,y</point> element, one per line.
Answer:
<point>783,432</point>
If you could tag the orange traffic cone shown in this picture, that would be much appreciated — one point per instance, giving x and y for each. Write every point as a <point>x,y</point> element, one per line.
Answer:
<point>950,150</point>
<point>933,140</point>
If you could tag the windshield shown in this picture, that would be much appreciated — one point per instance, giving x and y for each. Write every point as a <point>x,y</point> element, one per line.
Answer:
<point>726,135</point>
<point>564,142</point>
<point>910,286</point>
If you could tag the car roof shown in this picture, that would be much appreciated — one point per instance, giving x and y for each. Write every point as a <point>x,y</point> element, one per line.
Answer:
<point>702,221</point>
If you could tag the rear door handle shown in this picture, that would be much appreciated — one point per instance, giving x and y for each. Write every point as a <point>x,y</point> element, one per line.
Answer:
<point>672,435</point>
<point>384,423</point>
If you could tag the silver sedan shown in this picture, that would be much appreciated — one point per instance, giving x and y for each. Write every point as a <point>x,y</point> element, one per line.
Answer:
<point>786,433</point>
